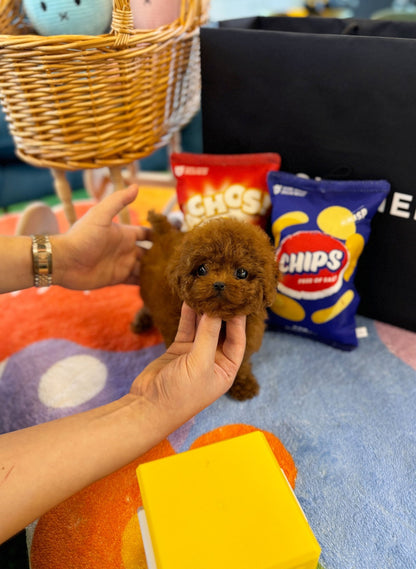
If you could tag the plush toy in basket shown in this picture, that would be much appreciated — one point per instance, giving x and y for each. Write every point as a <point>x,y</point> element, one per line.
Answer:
<point>223,268</point>
<point>148,14</point>
<point>69,17</point>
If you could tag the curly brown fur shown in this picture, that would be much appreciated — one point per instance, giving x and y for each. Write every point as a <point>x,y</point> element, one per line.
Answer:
<point>224,267</point>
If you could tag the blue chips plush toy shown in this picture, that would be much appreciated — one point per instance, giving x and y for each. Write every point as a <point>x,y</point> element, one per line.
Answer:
<point>320,228</point>
<point>69,17</point>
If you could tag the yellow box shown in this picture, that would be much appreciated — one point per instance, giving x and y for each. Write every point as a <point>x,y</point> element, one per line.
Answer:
<point>227,505</point>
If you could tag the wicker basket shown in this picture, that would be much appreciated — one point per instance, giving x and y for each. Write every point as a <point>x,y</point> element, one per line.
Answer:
<point>79,102</point>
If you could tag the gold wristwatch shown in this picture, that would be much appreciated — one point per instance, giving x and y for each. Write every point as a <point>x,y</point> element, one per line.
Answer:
<point>42,260</point>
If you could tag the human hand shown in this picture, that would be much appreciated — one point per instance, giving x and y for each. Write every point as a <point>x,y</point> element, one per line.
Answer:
<point>195,370</point>
<point>96,252</point>
<point>193,373</point>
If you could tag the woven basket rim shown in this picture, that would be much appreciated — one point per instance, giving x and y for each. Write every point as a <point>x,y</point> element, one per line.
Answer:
<point>28,44</point>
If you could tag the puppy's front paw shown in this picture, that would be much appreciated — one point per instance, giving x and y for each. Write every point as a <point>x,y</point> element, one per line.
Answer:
<point>142,321</point>
<point>244,387</point>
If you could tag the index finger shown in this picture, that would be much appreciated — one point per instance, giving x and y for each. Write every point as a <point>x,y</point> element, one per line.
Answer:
<point>235,340</point>
<point>206,338</point>
<point>187,325</point>
<point>142,234</point>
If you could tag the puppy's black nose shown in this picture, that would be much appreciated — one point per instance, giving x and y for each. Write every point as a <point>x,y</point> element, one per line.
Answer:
<point>219,286</point>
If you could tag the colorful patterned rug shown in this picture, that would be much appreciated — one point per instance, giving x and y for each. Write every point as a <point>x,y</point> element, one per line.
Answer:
<point>343,421</point>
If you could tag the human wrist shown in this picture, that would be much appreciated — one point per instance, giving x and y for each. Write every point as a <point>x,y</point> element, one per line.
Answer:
<point>128,428</point>
<point>157,420</point>
<point>58,259</point>
<point>41,260</point>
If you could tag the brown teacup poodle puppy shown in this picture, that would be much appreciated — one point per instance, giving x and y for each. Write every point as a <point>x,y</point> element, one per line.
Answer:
<point>223,267</point>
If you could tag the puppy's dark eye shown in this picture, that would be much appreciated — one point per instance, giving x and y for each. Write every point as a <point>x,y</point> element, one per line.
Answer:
<point>202,270</point>
<point>241,273</point>
<point>43,6</point>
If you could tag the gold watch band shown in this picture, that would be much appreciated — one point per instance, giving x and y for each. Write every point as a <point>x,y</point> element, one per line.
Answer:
<point>42,260</point>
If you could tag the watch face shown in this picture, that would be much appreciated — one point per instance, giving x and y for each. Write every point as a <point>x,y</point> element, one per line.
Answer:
<point>43,264</point>
<point>42,255</point>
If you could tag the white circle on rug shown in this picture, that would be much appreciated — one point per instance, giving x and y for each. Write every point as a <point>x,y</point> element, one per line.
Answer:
<point>72,381</point>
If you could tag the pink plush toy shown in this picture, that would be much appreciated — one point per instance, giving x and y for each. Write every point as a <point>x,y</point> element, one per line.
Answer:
<point>149,14</point>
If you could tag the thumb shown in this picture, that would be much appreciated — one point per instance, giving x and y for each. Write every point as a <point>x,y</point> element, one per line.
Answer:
<point>115,202</point>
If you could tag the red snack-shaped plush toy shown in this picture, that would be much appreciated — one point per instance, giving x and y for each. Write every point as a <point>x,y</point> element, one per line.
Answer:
<point>235,185</point>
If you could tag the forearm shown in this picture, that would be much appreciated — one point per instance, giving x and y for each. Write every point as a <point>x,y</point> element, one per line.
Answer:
<point>43,465</point>
<point>16,263</point>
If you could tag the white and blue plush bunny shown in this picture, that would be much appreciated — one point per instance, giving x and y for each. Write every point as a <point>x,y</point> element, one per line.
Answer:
<point>68,17</point>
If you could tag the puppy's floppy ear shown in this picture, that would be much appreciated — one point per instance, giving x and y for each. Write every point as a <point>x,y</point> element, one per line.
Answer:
<point>174,270</point>
<point>269,268</point>
<point>271,274</point>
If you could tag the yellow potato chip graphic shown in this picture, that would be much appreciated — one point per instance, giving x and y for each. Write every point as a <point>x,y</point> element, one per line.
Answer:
<point>337,221</point>
<point>286,220</point>
<point>355,245</point>
<point>327,314</point>
<point>286,307</point>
